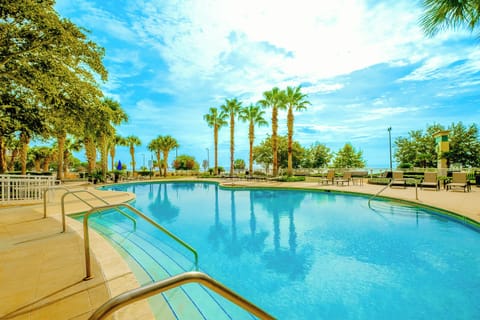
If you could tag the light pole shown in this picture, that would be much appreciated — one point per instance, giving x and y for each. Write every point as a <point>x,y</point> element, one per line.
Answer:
<point>390,145</point>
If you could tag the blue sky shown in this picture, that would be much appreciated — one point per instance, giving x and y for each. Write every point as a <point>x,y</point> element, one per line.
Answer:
<point>365,65</point>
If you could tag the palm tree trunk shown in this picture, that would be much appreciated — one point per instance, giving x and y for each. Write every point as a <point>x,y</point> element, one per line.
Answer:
<point>104,155</point>
<point>290,141</point>
<point>165,163</point>
<point>215,142</point>
<point>275,140</point>
<point>24,141</point>
<point>91,153</point>
<point>132,154</point>
<point>251,137</point>
<point>232,143</point>
<point>61,146</point>
<point>112,155</point>
<point>3,155</point>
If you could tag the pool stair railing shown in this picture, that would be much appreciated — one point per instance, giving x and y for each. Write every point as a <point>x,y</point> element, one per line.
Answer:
<point>75,194</point>
<point>153,289</point>
<point>138,213</point>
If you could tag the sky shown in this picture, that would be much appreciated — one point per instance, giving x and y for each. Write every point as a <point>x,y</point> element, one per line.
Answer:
<point>365,65</point>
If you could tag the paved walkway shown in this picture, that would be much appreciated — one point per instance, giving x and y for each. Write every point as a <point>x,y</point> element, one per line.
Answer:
<point>42,269</point>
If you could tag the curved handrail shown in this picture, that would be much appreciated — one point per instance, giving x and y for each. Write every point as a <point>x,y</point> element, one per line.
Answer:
<point>96,209</point>
<point>74,193</point>
<point>147,291</point>
<point>376,194</point>
<point>45,197</point>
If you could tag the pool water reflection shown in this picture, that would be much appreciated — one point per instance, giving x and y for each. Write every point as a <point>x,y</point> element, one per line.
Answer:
<point>317,255</point>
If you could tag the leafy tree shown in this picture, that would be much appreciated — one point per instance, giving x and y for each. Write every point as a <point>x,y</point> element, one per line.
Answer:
<point>294,99</point>
<point>450,14</point>
<point>117,140</point>
<point>239,164</point>
<point>317,155</point>
<point>48,70</point>
<point>254,116</point>
<point>464,145</point>
<point>132,142</point>
<point>231,108</point>
<point>273,99</point>
<point>348,157</point>
<point>166,143</point>
<point>215,120</point>
<point>263,153</point>
<point>185,162</point>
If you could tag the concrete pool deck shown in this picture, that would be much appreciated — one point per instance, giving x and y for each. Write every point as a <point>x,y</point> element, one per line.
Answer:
<point>42,269</point>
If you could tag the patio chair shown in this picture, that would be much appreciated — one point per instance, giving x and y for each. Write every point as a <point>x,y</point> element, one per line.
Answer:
<point>430,180</point>
<point>329,178</point>
<point>397,179</point>
<point>347,177</point>
<point>459,180</point>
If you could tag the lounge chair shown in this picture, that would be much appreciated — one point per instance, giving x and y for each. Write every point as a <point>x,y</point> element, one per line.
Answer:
<point>397,179</point>
<point>430,180</point>
<point>459,180</point>
<point>347,177</point>
<point>329,178</point>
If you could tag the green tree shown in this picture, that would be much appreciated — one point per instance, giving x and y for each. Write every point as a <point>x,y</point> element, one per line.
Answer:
<point>185,162</point>
<point>419,149</point>
<point>239,164</point>
<point>231,108</point>
<point>155,146</point>
<point>464,145</point>
<point>294,99</point>
<point>166,143</point>
<point>215,120</point>
<point>132,142</point>
<point>348,157</point>
<point>273,99</point>
<point>449,14</point>
<point>254,116</point>
<point>317,155</point>
<point>263,152</point>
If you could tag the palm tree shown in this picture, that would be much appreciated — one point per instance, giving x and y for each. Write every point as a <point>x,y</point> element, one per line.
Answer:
<point>215,120</point>
<point>166,144</point>
<point>254,116</point>
<point>443,14</point>
<point>155,146</point>
<point>294,99</point>
<point>273,99</point>
<point>71,145</point>
<point>133,141</point>
<point>116,141</point>
<point>231,108</point>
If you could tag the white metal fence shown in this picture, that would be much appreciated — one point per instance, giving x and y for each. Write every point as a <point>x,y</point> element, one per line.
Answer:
<point>24,187</point>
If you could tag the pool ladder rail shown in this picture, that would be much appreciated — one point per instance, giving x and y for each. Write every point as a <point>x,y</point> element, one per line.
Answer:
<point>155,288</point>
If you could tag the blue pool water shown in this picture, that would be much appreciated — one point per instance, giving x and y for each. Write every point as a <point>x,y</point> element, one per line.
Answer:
<point>320,255</point>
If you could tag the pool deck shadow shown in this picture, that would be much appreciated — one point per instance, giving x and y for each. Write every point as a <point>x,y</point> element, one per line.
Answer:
<point>42,269</point>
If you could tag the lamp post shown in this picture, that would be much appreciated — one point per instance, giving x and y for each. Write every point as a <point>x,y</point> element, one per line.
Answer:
<point>390,145</point>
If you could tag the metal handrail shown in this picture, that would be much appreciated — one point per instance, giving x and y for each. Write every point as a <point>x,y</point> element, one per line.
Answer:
<point>147,291</point>
<point>73,192</point>
<point>45,197</point>
<point>96,209</point>
<point>376,194</point>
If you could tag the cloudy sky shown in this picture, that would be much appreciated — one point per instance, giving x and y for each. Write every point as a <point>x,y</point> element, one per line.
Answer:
<point>365,65</point>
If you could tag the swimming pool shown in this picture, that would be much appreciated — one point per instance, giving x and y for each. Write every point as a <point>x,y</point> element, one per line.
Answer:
<point>317,255</point>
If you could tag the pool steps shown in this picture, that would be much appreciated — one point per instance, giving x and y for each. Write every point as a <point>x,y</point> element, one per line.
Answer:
<point>189,302</point>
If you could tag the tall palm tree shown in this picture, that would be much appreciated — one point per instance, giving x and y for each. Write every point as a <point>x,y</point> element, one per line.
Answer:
<point>294,99</point>
<point>215,120</point>
<point>273,99</point>
<point>254,116</point>
<point>231,108</point>
<point>71,145</point>
<point>116,141</point>
<point>167,143</point>
<point>132,142</point>
<point>155,146</point>
<point>448,14</point>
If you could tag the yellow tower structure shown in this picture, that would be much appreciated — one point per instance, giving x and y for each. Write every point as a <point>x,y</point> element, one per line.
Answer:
<point>443,145</point>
